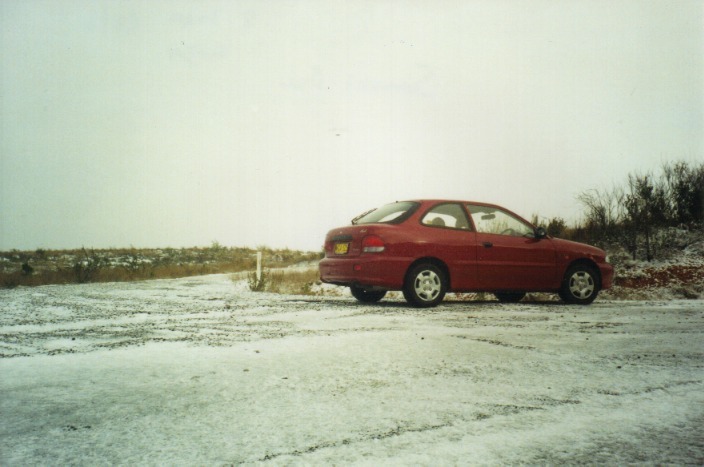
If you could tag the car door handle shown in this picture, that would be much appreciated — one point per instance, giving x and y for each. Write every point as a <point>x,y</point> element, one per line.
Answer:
<point>488,244</point>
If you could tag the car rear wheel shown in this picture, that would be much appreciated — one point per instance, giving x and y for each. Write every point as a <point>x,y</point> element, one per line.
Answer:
<point>425,285</point>
<point>580,285</point>
<point>509,297</point>
<point>367,296</point>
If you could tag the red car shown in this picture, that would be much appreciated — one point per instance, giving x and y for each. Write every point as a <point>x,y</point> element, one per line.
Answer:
<point>430,247</point>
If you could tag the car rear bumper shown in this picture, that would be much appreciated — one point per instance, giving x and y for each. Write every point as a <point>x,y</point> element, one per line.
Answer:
<point>367,271</point>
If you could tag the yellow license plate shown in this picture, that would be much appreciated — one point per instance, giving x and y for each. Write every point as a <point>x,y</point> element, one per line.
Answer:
<point>342,248</point>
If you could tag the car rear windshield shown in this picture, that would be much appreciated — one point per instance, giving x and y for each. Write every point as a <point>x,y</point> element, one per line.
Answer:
<point>393,213</point>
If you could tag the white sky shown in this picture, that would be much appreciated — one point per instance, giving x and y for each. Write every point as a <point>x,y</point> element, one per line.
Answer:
<point>167,123</point>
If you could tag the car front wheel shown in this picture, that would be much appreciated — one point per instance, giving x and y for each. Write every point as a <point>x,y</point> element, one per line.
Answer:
<point>367,296</point>
<point>580,285</point>
<point>425,285</point>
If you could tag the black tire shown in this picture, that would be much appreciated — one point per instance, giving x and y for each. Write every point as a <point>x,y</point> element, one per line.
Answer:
<point>580,285</point>
<point>564,297</point>
<point>425,285</point>
<point>509,297</point>
<point>367,296</point>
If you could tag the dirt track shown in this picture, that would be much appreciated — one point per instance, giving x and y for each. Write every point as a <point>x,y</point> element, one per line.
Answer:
<point>201,370</point>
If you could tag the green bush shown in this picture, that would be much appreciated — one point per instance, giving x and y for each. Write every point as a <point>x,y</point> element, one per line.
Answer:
<point>258,284</point>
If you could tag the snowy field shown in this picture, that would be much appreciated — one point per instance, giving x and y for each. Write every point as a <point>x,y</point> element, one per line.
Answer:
<point>202,371</point>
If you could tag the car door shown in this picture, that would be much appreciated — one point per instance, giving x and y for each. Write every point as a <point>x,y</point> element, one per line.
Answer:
<point>447,235</point>
<point>509,256</point>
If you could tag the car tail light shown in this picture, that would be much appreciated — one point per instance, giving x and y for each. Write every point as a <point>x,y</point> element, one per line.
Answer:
<point>372,244</point>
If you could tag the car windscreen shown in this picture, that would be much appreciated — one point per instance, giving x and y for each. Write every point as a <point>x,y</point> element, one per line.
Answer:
<point>393,213</point>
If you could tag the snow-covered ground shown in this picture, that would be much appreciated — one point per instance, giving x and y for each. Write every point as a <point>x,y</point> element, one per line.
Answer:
<point>202,371</point>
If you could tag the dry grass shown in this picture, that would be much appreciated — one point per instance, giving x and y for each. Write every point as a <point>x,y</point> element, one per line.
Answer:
<point>42,267</point>
<point>285,281</point>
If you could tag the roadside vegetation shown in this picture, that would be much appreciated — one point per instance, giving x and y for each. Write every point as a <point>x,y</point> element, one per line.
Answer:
<point>41,267</point>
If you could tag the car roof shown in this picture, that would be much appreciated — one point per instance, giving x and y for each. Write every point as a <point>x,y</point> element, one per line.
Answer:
<point>461,201</point>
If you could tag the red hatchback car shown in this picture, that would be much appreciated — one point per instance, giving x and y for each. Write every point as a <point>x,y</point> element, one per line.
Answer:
<point>430,247</point>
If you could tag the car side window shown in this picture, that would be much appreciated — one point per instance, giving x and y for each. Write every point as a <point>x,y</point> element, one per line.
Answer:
<point>449,215</point>
<point>492,220</point>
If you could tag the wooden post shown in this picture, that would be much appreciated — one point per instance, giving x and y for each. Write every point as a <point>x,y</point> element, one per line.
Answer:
<point>259,267</point>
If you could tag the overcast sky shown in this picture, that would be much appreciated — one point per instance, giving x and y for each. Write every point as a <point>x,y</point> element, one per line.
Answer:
<point>177,123</point>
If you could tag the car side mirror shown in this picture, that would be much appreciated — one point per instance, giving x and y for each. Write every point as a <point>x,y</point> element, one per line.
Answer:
<point>540,233</point>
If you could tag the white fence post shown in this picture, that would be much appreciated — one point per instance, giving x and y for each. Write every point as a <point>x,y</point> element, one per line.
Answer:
<point>259,267</point>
